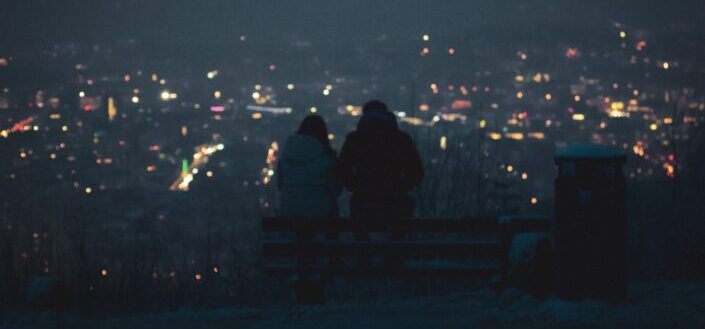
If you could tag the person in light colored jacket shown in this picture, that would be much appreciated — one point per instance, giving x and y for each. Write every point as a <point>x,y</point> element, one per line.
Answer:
<point>306,173</point>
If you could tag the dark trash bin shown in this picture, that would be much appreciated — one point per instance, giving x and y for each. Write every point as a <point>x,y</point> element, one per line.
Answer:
<point>590,223</point>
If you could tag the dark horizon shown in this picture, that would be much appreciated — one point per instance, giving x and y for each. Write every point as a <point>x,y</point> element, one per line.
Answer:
<point>38,23</point>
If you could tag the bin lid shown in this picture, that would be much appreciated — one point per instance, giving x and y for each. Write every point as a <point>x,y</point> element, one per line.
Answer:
<point>589,151</point>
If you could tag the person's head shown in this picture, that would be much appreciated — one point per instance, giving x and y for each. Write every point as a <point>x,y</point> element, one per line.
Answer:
<point>374,106</point>
<point>376,116</point>
<point>314,126</point>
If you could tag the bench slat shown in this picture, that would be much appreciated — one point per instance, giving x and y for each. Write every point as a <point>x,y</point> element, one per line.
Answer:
<point>387,248</point>
<point>480,272</point>
<point>460,225</point>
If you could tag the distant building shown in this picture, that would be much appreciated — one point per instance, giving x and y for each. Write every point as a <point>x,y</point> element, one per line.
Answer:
<point>112,110</point>
<point>4,103</point>
<point>91,103</point>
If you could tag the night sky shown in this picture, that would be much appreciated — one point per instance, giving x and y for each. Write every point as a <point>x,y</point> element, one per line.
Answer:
<point>46,22</point>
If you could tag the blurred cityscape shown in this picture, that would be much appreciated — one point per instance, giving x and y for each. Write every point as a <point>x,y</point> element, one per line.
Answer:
<point>125,170</point>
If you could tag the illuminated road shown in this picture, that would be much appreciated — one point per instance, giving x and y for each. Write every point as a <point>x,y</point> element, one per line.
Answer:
<point>23,125</point>
<point>200,158</point>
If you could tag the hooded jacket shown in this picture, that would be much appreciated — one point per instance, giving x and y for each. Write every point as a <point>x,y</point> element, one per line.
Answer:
<point>306,179</point>
<point>378,161</point>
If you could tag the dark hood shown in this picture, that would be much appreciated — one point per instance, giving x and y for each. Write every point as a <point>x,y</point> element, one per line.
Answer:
<point>378,119</point>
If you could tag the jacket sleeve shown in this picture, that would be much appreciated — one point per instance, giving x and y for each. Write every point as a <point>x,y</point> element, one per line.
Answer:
<point>333,183</point>
<point>413,167</point>
<point>344,166</point>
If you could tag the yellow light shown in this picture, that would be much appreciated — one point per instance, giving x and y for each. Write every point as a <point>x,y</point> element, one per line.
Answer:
<point>617,106</point>
<point>519,78</point>
<point>217,94</point>
<point>88,190</point>
<point>165,95</point>
<point>184,131</point>
<point>331,137</point>
<point>548,97</point>
<point>520,94</point>
<point>198,277</point>
<point>495,136</point>
<point>578,117</point>
<point>4,133</point>
<point>112,110</point>
<point>81,94</point>
<point>534,200</point>
<point>666,65</point>
<point>104,272</point>
<point>483,124</point>
<point>64,128</point>
<point>426,37</point>
<point>326,92</point>
<point>52,156</point>
<point>510,168</point>
<point>256,116</point>
<point>313,109</point>
<point>653,127</point>
<point>135,99</point>
<point>290,86</point>
<point>622,34</point>
<point>638,149</point>
<point>209,173</point>
<point>255,95</point>
<point>667,121</point>
<point>577,98</point>
<point>444,141</point>
<point>515,136</point>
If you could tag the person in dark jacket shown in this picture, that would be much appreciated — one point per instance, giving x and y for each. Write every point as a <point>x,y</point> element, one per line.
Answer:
<point>306,175</point>
<point>380,165</point>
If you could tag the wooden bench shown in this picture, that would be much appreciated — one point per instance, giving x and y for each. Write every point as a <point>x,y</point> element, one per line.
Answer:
<point>465,248</point>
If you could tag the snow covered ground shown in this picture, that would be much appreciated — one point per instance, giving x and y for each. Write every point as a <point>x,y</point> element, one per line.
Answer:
<point>651,305</point>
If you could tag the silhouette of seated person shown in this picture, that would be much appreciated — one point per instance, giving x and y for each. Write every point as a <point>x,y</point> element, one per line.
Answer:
<point>380,165</point>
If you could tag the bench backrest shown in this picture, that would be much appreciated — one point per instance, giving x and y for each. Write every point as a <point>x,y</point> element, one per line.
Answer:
<point>343,225</point>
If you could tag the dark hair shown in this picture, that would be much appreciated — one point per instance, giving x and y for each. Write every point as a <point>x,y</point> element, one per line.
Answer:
<point>374,106</point>
<point>314,126</point>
